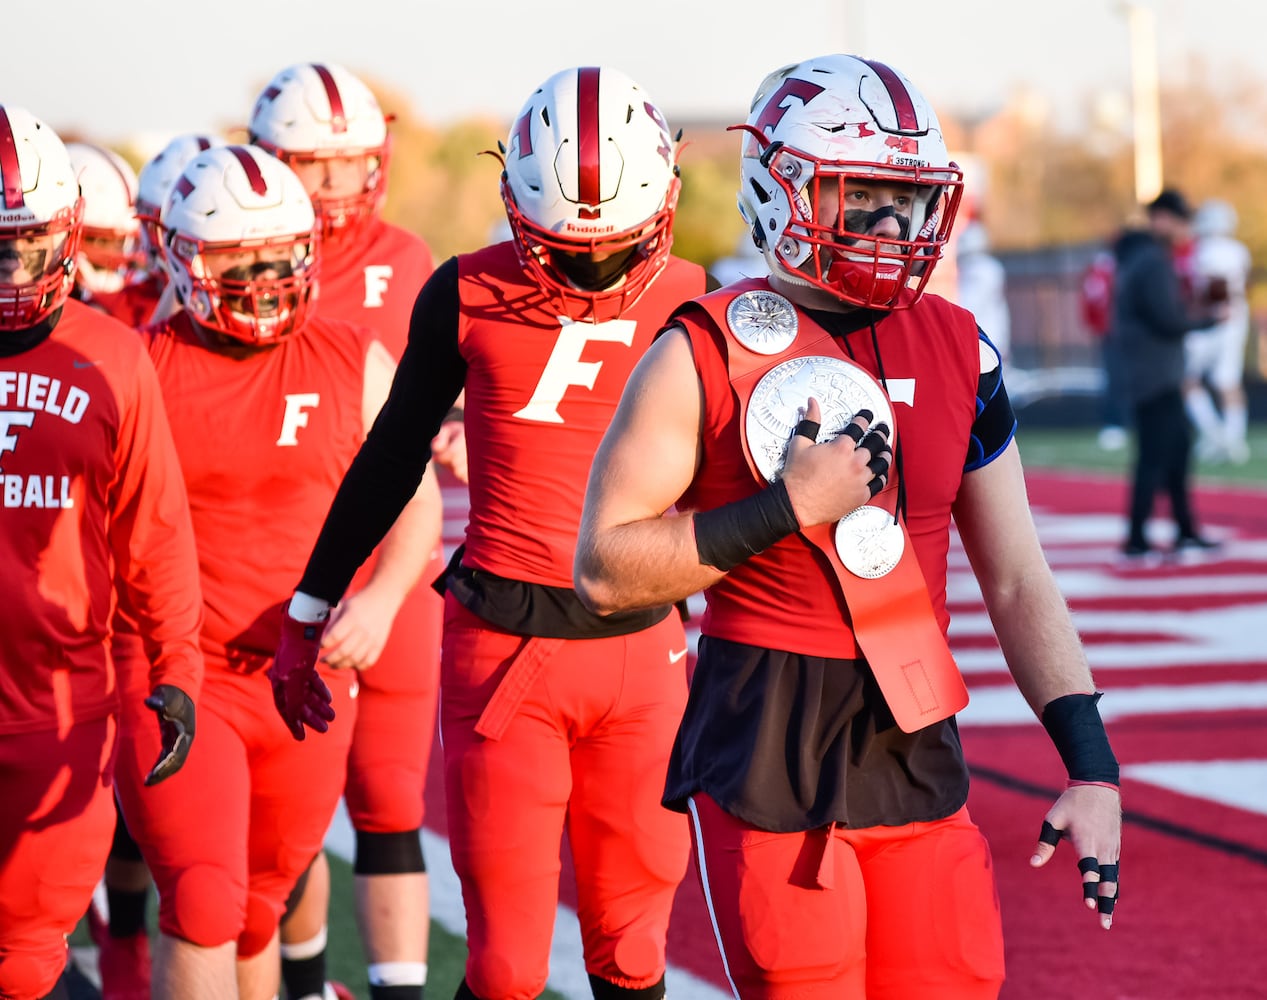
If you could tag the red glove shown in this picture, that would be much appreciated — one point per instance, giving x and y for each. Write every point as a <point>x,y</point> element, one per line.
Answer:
<point>301,696</point>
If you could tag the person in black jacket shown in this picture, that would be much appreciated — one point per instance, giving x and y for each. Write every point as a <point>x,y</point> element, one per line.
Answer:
<point>1151,317</point>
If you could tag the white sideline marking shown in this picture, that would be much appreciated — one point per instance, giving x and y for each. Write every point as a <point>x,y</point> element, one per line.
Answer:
<point>1241,784</point>
<point>1002,704</point>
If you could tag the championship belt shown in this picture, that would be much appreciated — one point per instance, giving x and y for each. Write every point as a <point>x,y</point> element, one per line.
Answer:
<point>891,612</point>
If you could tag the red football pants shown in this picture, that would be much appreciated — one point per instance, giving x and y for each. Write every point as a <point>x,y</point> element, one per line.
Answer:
<point>586,749</point>
<point>229,835</point>
<point>887,913</point>
<point>56,823</point>
<point>396,717</point>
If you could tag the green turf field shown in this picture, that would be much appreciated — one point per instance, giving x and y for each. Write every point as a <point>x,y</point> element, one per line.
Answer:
<point>1045,447</point>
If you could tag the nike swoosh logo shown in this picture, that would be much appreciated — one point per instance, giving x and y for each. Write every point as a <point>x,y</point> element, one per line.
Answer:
<point>85,364</point>
<point>676,657</point>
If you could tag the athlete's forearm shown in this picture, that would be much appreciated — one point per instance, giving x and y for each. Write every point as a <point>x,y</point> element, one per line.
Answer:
<point>1039,641</point>
<point>643,564</point>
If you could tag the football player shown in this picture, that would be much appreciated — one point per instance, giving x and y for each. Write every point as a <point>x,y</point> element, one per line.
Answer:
<point>552,717</point>
<point>816,430</point>
<point>95,514</point>
<point>138,301</point>
<point>326,124</point>
<point>268,403</point>
<point>110,253</point>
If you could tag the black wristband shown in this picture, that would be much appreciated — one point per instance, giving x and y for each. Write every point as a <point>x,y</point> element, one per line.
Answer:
<point>727,536</point>
<point>1073,722</point>
<point>455,413</point>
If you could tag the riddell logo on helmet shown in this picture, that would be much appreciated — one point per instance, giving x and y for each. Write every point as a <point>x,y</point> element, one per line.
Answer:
<point>6,217</point>
<point>572,227</point>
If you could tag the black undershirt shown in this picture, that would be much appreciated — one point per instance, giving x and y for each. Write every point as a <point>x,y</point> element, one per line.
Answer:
<point>13,342</point>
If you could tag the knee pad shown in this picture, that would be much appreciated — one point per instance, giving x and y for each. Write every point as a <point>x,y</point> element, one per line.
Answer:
<point>201,908</point>
<point>383,793</point>
<point>27,975</point>
<point>259,928</point>
<point>389,853</point>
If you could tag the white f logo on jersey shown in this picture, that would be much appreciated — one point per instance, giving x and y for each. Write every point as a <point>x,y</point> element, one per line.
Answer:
<point>376,278</point>
<point>565,367</point>
<point>295,417</point>
<point>10,419</point>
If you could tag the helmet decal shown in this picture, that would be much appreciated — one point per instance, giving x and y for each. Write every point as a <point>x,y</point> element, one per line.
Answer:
<point>775,108</point>
<point>338,120</point>
<point>9,164</point>
<point>254,176</point>
<point>903,105</point>
<point>589,143</point>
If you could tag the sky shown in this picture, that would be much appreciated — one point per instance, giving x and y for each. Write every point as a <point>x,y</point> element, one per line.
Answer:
<point>122,68</point>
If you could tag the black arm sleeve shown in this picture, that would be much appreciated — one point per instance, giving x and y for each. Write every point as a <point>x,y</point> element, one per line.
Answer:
<point>391,462</point>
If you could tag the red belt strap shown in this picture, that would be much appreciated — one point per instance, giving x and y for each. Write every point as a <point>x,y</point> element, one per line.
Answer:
<point>509,695</point>
<point>892,615</point>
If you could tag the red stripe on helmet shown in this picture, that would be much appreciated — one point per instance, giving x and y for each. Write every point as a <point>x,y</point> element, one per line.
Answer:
<point>589,141</point>
<point>254,176</point>
<point>9,169</point>
<point>907,119</point>
<point>204,144</point>
<point>338,120</point>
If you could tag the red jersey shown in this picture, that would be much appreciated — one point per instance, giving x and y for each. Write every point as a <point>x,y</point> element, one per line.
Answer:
<point>134,303</point>
<point>784,598</point>
<point>264,439</point>
<point>92,500</point>
<point>540,392</point>
<point>374,281</point>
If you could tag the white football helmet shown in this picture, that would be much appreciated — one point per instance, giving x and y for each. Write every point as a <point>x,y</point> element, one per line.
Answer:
<point>154,182</point>
<point>111,248</point>
<point>590,186</point>
<point>41,220</point>
<point>827,124</point>
<point>320,111</point>
<point>1214,217</point>
<point>240,240</point>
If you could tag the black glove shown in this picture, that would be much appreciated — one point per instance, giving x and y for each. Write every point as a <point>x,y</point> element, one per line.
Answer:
<point>175,711</point>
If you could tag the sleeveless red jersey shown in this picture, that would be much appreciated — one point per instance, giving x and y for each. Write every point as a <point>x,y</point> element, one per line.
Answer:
<point>540,392</point>
<point>90,490</point>
<point>374,281</point>
<point>787,598</point>
<point>264,439</point>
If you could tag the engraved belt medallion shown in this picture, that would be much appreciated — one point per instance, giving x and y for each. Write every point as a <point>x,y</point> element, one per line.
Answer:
<point>868,542</point>
<point>763,321</point>
<point>774,408</point>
